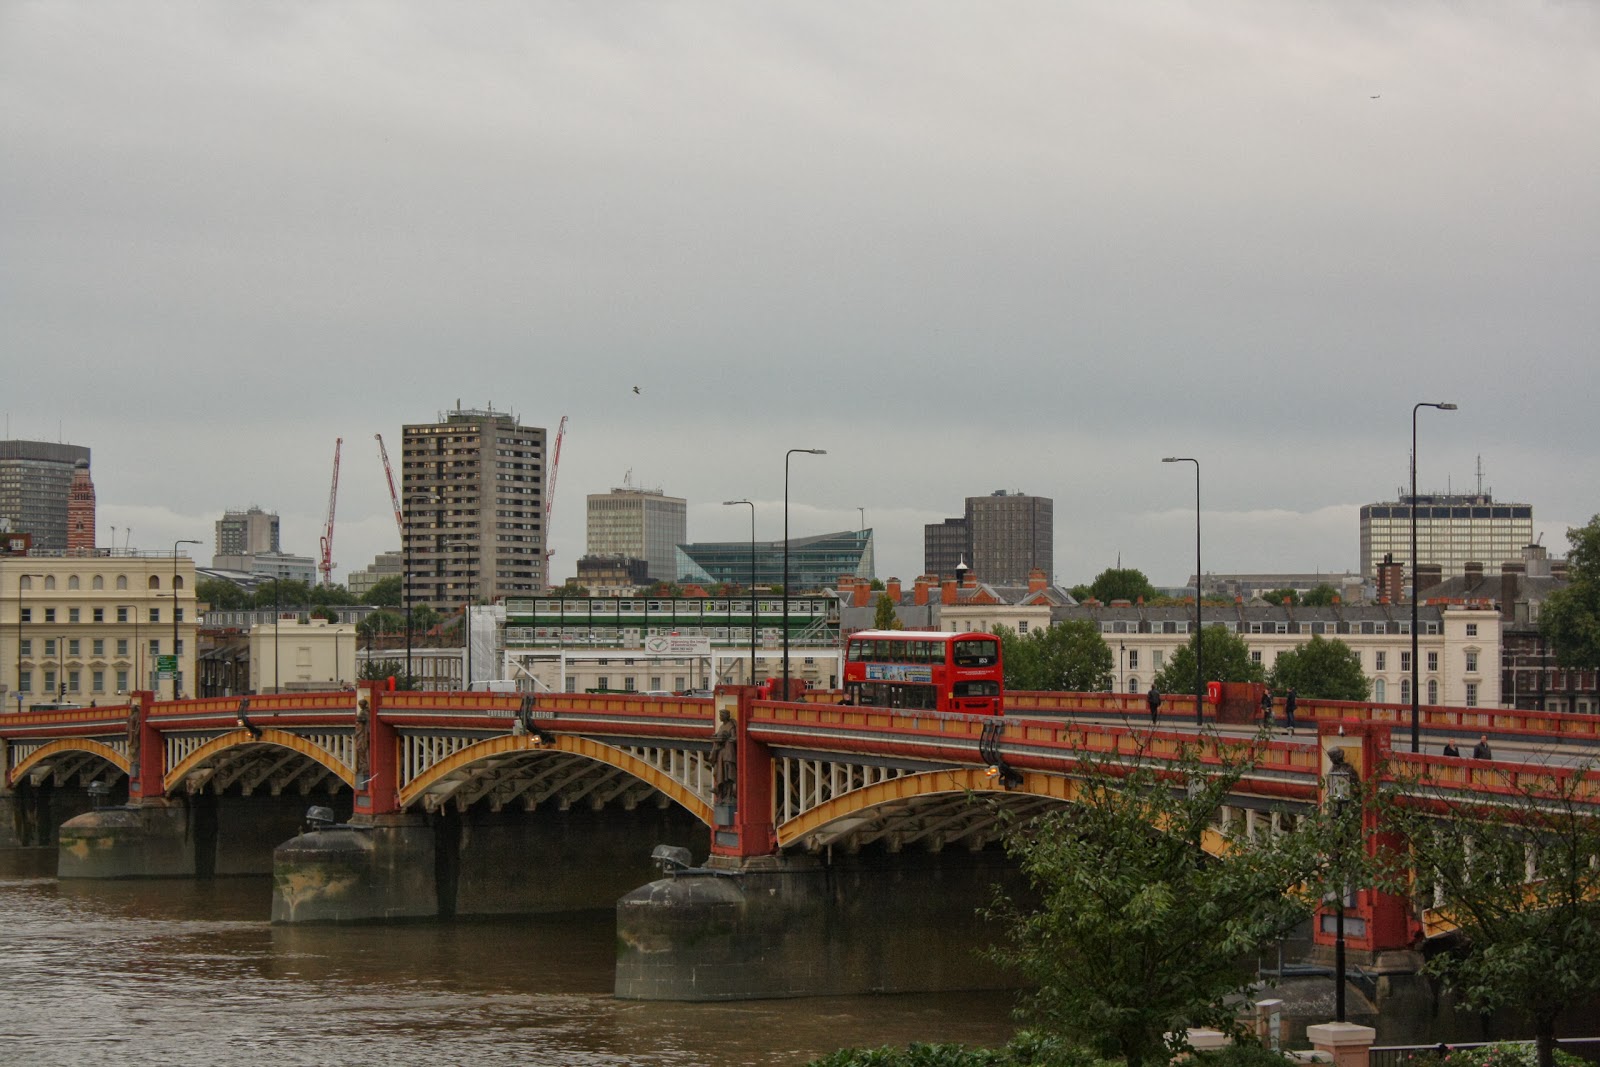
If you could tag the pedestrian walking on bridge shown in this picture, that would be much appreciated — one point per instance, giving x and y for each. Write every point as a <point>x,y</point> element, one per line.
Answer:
<point>1266,708</point>
<point>1289,699</point>
<point>1154,700</point>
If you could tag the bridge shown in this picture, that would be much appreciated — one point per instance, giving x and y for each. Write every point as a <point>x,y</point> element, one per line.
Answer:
<point>477,803</point>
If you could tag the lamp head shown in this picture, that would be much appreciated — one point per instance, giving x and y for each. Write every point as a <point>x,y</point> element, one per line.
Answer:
<point>1447,407</point>
<point>725,503</point>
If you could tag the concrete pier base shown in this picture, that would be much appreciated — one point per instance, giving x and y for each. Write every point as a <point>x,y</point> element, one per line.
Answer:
<point>383,870</point>
<point>778,927</point>
<point>150,840</point>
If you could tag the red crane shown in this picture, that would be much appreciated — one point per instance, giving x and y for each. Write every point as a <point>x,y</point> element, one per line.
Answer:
<point>550,498</point>
<point>394,497</point>
<point>325,565</point>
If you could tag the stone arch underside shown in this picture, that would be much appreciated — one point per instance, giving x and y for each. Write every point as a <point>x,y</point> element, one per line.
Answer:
<point>277,760</point>
<point>520,770</point>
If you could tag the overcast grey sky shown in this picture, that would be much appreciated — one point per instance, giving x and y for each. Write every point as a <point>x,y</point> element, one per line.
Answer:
<point>962,246</point>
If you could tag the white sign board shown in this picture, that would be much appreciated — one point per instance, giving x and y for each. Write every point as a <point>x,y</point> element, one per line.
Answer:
<point>675,645</point>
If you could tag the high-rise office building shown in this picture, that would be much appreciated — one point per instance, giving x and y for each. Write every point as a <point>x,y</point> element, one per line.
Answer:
<point>246,533</point>
<point>1003,537</point>
<point>630,523</point>
<point>1453,529</point>
<point>473,500</point>
<point>36,488</point>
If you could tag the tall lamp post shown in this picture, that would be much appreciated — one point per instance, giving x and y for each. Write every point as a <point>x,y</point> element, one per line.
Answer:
<point>1340,790</point>
<point>1199,629</point>
<point>786,455</point>
<point>405,581</point>
<point>466,611</point>
<point>177,671</point>
<point>730,503</point>
<point>1416,712</point>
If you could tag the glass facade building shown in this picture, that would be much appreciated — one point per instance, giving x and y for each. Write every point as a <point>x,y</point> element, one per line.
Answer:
<point>814,562</point>
<point>1453,529</point>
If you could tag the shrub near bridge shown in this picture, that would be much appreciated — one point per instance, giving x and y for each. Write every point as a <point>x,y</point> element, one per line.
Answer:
<point>1038,1050</point>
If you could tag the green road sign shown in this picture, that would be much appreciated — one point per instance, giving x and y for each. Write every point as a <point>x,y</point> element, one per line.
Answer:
<point>167,664</point>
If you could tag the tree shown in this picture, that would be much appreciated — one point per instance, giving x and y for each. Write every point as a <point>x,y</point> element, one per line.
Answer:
<point>382,622</point>
<point>1321,596</point>
<point>1137,933</point>
<point>282,592</point>
<point>1570,618</point>
<point>1321,668</point>
<point>884,618</point>
<point>326,595</point>
<point>1532,946</point>
<point>1226,656</point>
<point>423,618</point>
<point>221,594</point>
<point>1120,583</point>
<point>379,670</point>
<point>1278,596</point>
<point>1067,657</point>
<point>387,592</point>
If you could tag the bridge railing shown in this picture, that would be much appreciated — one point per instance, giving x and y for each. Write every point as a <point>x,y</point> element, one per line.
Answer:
<point>1504,722</point>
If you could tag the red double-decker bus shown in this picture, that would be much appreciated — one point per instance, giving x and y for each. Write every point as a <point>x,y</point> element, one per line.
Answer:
<point>924,670</point>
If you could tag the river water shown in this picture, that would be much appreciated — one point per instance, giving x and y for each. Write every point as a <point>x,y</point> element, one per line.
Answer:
<point>191,973</point>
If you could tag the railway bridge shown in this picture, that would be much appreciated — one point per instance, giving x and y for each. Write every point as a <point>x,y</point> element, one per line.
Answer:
<point>811,822</point>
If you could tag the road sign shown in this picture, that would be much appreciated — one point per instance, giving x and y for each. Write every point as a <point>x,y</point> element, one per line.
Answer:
<point>167,666</point>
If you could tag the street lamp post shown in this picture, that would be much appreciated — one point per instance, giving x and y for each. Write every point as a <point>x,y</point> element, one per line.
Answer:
<point>405,582</point>
<point>786,455</point>
<point>1340,789</point>
<point>1199,629</point>
<point>1416,712</point>
<point>177,671</point>
<point>466,611</point>
<point>729,503</point>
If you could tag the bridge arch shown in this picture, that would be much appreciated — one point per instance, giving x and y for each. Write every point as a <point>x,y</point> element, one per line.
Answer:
<point>84,754</point>
<point>936,808</point>
<point>228,758</point>
<point>513,767</point>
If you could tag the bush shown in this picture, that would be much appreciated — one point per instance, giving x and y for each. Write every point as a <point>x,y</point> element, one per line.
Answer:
<point>1244,1055</point>
<point>1504,1054</point>
<point>1024,1050</point>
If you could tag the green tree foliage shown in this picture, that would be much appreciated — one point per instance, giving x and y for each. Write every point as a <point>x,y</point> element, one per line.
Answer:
<point>381,670</point>
<point>1570,618</point>
<point>1226,656</point>
<point>383,622</point>
<point>1139,933</point>
<point>884,618</point>
<point>1276,597</point>
<point>423,618</point>
<point>1119,583</point>
<point>327,595</point>
<point>571,589</point>
<point>1024,1050</point>
<point>282,592</point>
<point>387,592</point>
<point>1530,946</point>
<point>1320,597</point>
<point>221,594</point>
<point>1321,668</point>
<point>1067,657</point>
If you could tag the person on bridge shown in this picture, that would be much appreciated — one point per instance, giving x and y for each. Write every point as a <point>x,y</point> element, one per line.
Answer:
<point>1266,708</point>
<point>1450,749</point>
<point>1154,700</point>
<point>1289,699</point>
<point>1481,749</point>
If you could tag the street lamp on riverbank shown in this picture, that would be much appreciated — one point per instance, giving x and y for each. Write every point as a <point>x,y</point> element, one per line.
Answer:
<point>1416,712</point>
<point>177,669</point>
<point>786,455</point>
<point>1199,629</point>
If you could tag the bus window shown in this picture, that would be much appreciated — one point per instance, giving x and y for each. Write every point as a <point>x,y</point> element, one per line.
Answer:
<point>976,689</point>
<point>974,653</point>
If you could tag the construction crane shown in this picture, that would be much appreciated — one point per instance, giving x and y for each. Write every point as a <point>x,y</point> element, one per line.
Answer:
<point>325,565</point>
<point>550,498</point>
<point>394,497</point>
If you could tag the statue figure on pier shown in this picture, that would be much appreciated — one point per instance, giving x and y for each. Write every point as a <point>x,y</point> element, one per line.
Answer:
<point>363,743</point>
<point>724,758</point>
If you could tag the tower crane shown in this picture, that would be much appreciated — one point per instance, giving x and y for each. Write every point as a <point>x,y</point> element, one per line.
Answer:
<point>394,497</point>
<point>550,498</point>
<point>325,565</point>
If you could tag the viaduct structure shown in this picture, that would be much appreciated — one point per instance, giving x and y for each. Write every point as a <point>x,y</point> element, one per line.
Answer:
<point>836,845</point>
